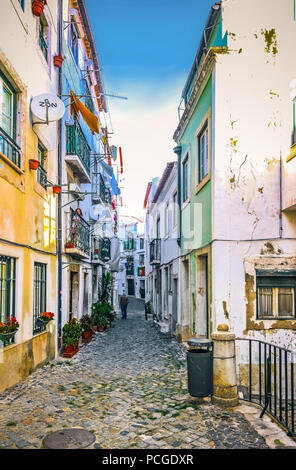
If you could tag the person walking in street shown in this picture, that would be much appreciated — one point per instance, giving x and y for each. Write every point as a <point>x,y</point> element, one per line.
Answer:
<point>123,304</point>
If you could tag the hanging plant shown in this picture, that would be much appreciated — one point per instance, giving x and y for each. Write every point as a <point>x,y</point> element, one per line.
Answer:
<point>38,7</point>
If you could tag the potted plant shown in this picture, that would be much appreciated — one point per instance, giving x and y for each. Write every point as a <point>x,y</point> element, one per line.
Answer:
<point>87,324</point>
<point>70,245</point>
<point>33,164</point>
<point>99,316</point>
<point>71,334</point>
<point>45,318</point>
<point>148,309</point>
<point>38,7</point>
<point>8,331</point>
<point>102,322</point>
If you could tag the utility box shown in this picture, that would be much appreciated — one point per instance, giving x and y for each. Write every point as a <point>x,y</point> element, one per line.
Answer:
<point>200,367</point>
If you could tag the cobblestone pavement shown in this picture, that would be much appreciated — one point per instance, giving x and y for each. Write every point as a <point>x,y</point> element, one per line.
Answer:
<point>129,387</point>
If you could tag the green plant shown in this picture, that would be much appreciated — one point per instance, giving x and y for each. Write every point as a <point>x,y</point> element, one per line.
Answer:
<point>102,313</point>
<point>86,322</point>
<point>147,307</point>
<point>105,288</point>
<point>71,332</point>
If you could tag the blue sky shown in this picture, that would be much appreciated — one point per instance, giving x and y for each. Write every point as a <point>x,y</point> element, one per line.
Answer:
<point>146,49</point>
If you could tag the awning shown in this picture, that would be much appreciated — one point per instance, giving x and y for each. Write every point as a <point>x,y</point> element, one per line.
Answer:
<point>91,119</point>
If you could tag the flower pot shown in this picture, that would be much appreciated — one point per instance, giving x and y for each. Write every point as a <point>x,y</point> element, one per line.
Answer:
<point>70,351</point>
<point>37,8</point>
<point>101,328</point>
<point>58,60</point>
<point>33,164</point>
<point>86,336</point>
<point>56,189</point>
<point>7,338</point>
<point>70,245</point>
<point>95,327</point>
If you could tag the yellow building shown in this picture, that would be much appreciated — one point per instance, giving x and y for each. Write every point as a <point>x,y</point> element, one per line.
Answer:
<point>28,207</point>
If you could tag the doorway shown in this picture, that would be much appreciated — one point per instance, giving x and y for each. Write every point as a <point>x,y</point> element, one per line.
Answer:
<point>202,317</point>
<point>130,287</point>
<point>73,295</point>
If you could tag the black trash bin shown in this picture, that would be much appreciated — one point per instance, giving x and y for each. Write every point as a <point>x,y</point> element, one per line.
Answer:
<point>200,367</point>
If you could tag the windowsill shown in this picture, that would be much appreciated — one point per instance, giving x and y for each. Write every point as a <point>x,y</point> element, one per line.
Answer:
<point>292,153</point>
<point>11,164</point>
<point>185,203</point>
<point>276,318</point>
<point>202,183</point>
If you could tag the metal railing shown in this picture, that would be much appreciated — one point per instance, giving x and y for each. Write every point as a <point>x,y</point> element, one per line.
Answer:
<point>42,41</point>
<point>42,176</point>
<point>9,148</point>
<point>76,144</point>
<point>155,250</point>
<point>293,137</point>
<point>129,244</point>
<point>266,377</point>
<point>105,249</point>
<point>79,233</point>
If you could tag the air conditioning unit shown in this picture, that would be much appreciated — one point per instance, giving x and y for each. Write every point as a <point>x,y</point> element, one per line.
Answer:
<point>75,190</point>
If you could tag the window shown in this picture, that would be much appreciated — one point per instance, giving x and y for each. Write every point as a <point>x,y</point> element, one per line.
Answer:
<point>74,41</point>
<point>170,283</point>
<point>39,299</point>
<point>141,243</point>
<point>7,287</point>
<point>203,157</point>
<point>22,4</point>
<point>175,208</point>
<point>166,221</point>
<point>8,102</point>
<point>141,259</point>
<point>43,40</point>
<point>41,172</point>
<point>276,294</point>
<point>185,174</point>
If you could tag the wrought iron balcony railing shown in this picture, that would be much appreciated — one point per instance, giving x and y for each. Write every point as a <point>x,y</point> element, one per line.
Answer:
<point>293,137</point>
<point>42,176</point>
<point>79,234</point>
<point>155,252</point>
<point>105,249</point>
<point>9,148</point>
<point>76,144</point>
<point>129,244</point>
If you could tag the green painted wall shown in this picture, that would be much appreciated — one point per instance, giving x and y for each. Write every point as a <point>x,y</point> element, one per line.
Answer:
<point>196,227</point>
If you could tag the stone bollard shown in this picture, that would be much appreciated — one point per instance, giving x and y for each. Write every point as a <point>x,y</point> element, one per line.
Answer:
<point>224,382</point>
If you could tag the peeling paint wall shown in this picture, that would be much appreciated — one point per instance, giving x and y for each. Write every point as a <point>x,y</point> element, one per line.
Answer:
<point>253,124</point>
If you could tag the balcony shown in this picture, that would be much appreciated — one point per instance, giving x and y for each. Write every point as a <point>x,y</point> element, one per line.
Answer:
<point>77,152</point>
<point>42,176</point>
<point>105,249</point>
<point>130,267</point>
<point>129,245</point>
<point>78,239</point>
<point>155,251</point>
<point>9,148</point>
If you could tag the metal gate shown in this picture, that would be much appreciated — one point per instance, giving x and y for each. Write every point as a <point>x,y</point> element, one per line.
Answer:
<point>266,377</point>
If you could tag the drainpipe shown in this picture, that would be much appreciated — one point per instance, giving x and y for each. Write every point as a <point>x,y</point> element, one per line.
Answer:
<point>60,167</point>
<point>281,200</point>
<point>178,151</point>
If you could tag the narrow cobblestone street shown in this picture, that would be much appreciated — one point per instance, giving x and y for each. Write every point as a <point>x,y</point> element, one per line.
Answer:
<point>129,387</point>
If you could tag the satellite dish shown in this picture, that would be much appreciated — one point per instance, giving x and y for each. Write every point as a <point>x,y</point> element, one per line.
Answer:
<point>47,107</point>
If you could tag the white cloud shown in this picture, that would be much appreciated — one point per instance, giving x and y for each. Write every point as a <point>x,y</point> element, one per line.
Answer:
<point>144,126</point>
